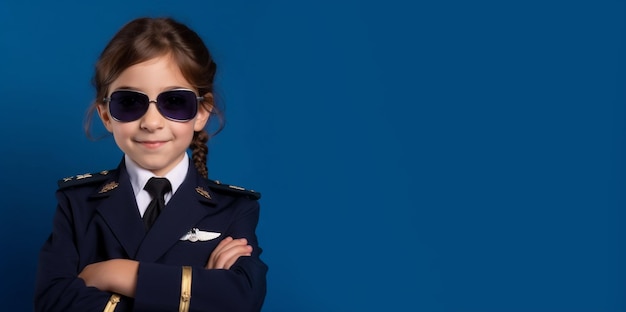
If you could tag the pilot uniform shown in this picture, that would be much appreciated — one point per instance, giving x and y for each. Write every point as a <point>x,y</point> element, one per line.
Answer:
<point>97,219</point>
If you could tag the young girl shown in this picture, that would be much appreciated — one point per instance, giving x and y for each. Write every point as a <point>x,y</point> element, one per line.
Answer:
<point>154,234</point>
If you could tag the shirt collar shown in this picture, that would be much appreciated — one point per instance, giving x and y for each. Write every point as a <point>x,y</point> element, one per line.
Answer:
<point>140,176</point>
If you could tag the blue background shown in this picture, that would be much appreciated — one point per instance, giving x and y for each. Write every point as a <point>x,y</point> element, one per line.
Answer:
<point>448,156</point>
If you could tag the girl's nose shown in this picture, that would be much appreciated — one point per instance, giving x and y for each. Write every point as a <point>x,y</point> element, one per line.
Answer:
<point>152,119</point>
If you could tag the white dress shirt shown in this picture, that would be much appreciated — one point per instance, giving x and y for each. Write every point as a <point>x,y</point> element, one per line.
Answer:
<point>139,177</point>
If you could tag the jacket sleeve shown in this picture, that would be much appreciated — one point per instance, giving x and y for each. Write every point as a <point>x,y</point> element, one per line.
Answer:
<point>58,287</point>
<point>241,288</point>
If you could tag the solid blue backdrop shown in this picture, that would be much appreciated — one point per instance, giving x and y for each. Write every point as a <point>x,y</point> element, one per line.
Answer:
<point>448,156</point>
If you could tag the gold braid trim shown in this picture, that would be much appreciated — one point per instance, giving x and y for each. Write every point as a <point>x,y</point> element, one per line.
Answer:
<point>185,290</point>
<point>110,307</point>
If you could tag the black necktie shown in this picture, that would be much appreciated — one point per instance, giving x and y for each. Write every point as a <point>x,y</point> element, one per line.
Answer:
<point>157,187</point>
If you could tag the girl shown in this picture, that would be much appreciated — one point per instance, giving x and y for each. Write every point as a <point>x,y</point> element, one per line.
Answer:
<point>154,234</point>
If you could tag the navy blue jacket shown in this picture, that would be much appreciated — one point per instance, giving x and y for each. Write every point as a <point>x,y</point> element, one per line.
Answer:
<point>97,219</point>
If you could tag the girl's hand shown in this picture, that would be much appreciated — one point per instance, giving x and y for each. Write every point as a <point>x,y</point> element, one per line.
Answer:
<point>115,275</point>
<point>227,252</point>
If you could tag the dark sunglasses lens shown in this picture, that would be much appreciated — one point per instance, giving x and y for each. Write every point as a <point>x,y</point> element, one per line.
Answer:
<point>181,105</point>
<point>128,106</point>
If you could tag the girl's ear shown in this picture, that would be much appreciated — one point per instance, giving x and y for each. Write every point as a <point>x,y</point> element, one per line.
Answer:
<point>104,116</point>
<point>203,113</point>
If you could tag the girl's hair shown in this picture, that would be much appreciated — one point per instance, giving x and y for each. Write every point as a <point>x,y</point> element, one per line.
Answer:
<point>146,38</point>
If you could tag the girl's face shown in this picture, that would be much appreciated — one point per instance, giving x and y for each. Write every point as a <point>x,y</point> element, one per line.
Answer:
<point>153,141</point>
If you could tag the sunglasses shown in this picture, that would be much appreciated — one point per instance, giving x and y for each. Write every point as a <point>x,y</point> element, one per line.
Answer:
<point>177,105</point>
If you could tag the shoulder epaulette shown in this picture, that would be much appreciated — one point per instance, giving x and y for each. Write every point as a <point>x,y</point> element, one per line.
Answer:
<point>80,179</point>
<point>233,189</point>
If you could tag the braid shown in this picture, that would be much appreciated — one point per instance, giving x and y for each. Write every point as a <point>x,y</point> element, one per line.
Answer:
<point>199,150</point>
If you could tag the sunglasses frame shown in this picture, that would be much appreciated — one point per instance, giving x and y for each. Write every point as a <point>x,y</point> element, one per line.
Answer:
<point>199,99</point>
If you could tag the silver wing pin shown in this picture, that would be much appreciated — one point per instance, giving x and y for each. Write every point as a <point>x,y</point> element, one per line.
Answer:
<point>197,235</point>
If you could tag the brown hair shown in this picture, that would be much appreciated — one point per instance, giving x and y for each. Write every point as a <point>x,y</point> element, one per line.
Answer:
<point>146,38</point>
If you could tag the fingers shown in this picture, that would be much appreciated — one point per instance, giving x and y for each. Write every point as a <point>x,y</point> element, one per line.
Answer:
<point>229,256</point>
<point>227,252</point>
<point>222,245</point>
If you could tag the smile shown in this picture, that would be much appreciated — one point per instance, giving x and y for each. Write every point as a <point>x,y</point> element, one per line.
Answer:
<point>152,144</point>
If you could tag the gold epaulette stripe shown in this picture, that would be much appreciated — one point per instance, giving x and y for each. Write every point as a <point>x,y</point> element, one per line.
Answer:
<point>110,307</point>
<point>185,290</point>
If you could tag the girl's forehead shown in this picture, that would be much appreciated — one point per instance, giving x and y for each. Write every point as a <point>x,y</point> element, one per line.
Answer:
<point>159,73</point>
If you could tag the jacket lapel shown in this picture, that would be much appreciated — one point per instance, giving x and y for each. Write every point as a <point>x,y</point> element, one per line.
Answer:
<point>119,210</point>
<point>191,203</point>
